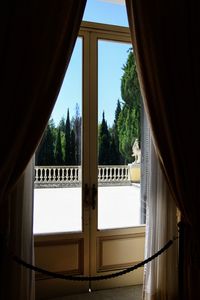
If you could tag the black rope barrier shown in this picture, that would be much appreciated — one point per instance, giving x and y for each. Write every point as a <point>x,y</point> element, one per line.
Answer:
<point>91,278</point>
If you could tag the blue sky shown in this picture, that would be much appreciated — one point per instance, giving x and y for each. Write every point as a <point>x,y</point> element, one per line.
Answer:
<point>112,57</point>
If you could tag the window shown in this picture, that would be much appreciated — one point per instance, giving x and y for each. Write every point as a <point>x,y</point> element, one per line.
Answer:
<point>108,132</point>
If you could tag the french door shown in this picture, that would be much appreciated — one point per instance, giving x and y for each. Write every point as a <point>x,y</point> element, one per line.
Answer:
<point>99,221</point>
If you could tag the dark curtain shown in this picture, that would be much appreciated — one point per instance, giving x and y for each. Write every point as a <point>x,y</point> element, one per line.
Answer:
<point>37,39</point>
<point>165,36</point>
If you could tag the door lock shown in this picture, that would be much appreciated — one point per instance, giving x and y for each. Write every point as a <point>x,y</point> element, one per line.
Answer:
<point>94,196</point>
<point>86,195</point>
<point>90,201</point>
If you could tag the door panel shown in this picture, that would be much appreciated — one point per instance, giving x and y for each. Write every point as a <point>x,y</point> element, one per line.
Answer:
<point>117,234</point>
<point>61,216</point>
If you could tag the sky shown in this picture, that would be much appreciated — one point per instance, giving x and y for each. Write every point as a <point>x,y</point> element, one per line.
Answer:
<point>112,56</point>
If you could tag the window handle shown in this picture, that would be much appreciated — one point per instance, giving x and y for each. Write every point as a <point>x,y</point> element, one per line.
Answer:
<point>86,195</point>
<point>94,196</point>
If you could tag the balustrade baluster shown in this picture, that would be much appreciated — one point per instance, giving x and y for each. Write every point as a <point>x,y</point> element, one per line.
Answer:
<point>76,175</point>
<point>62,174</point>
<point>67,174</point>
<point>36,175</point>
<point>114,174</point>
<point>106,176</point>
<point>71,175</point>
<point>79,174</point>
<point>101,174</point>
<point>126,173</point>
<point>118,174</point>
<point>45,175</point>
<point>53,175</point>
<point>110,174</point>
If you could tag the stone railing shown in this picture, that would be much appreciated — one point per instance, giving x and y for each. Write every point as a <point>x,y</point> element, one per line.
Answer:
<point>58,176</point>
<point>112,173</point>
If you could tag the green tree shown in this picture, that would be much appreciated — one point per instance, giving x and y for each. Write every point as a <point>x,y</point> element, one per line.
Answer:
<point>116,157</point>
<point>130,90</point>
<point>127,132</point>
<point>114,152</point>
<point>77,130</point>
<point>72,148</point>
<point>128,123</point>
<point>67,140</point>
<point>104,143</point>
<point>117,112</point>
<point>45,151</point>
<point>61,126</point>
<point>58,150</point>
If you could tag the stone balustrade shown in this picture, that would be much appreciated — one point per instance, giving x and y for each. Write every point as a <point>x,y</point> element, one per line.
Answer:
<point>58,176</point>
<point>112,173</point>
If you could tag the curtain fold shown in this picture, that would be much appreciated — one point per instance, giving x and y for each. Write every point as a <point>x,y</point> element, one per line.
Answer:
<point>164,35</point>
<point>37,40</point>
<point>21,236</point>
<point>160,275</point>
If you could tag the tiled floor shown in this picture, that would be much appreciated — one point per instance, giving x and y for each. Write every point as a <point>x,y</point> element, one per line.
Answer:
<point>126,293</point>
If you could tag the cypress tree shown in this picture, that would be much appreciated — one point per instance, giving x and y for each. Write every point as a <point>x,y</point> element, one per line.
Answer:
<point>72,148</point>
<point>58,150</point>
<point>67,140</point>
<point>117,112</point>
<point>77,131</point>
<point>45,151</point>
<point>128,123</point>
<point>130,89</point>
<point>114,159</point>
<point>104,143</point>
<point>116,155</point>
<point>62,125</point>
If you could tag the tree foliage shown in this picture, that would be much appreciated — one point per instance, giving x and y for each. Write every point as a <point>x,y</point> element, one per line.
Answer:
<point>104,143</point>
<point>77,131</point>
<point>45,151</point>
<point>67,140</point>
<point>129,118</point>
<point>58,150</point>
<point>116,157</point>
<point>130,90</point>
<point>62,144</point>
<point>72,148</point>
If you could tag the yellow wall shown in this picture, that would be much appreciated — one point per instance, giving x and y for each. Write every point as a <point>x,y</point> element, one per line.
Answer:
<point>134,172</point>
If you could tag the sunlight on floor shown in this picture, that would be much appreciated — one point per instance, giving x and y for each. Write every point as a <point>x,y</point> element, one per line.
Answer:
<point>60,210</point>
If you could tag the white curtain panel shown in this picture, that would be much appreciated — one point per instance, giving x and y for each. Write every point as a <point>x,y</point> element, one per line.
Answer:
<point>21,236</point>
<point>160,275</point>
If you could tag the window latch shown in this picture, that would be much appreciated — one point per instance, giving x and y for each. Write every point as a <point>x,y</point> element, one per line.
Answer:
<point>94,196</point>
<point>86,195</point>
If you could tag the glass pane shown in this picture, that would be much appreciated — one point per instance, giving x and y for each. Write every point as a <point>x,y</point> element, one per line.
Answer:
<point>57,193</point>
<point>107,12</point>
<point>119,108</point>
